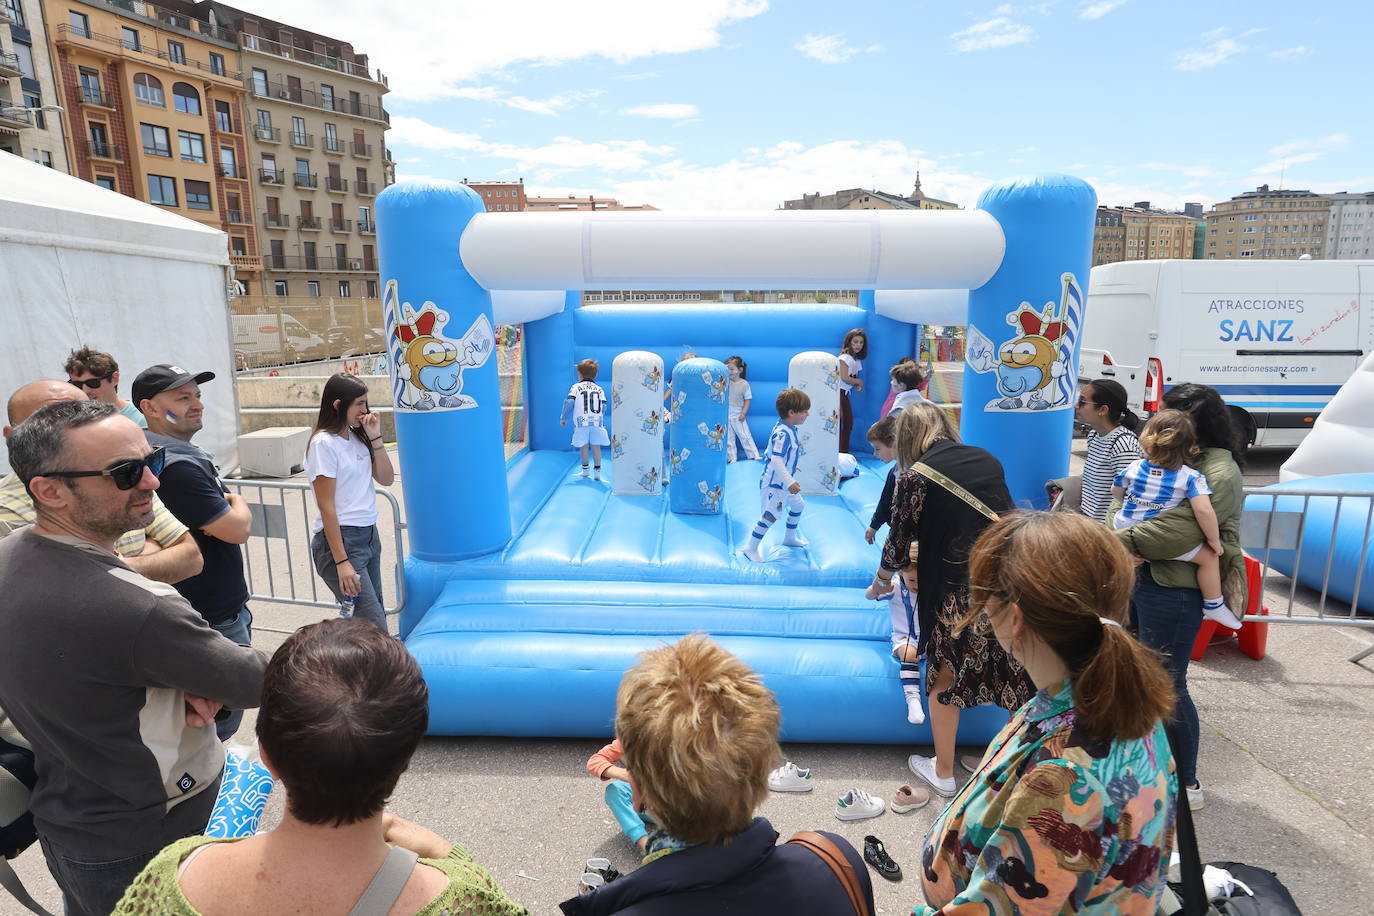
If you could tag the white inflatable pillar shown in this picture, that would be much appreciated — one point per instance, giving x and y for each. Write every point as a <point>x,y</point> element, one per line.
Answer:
<point>637,423</point>
<point>817,374</point>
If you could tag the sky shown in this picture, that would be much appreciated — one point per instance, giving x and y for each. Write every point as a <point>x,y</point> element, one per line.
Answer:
<point>742,104</point>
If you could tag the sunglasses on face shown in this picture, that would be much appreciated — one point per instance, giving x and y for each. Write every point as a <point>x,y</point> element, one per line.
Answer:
<point>126,474</point>
<point>1084,402</point>
<point>91,383</point>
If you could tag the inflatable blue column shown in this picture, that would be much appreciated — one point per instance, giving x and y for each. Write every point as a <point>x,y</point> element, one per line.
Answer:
<point>696,437</point>
<point>1025,330</point>
<point>443,373</point>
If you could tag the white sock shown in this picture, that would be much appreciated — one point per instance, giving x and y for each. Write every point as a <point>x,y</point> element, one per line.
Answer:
<point>1216,609</point>
<point>752,552</point>
<point>915,713</point>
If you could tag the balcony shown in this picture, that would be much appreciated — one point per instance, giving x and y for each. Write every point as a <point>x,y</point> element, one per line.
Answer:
<point>362,150</point>
<point>269,134</point>
<point>332,145</point>
<point>230,171</point>
<point>226,124</point>
<point>308,222</point>
<point>304,55</point>
<point>323,262</point>
<point>246,262</point>
<point>276,221</point>
<point>304,141</point>
<point>271,176</point>
<point>111,45</point>
<point>305,180</point>
<point>94,95</point>
<point>9,65</point>
<point>236,216</point>
<point>311,98</point>
<point>339,185</point>
<point>99,149</point>
<point>14,119</point>
<point>367,228</point>
<point>365,188</point>
<point>341,225</point>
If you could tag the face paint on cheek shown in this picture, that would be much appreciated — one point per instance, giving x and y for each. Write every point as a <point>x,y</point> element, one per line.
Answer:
<point>171,417</point>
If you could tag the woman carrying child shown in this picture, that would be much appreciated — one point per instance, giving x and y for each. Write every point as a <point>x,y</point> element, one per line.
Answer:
<point>853,351</point>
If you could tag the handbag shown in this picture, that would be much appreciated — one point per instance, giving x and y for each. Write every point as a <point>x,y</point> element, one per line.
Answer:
<point>839,863</point>
<point>957,489</point>
<point>17,833</point>
<point>1267,897</point>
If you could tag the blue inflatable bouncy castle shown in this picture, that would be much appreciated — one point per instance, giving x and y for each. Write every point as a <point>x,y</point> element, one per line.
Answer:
<point>531,589</point>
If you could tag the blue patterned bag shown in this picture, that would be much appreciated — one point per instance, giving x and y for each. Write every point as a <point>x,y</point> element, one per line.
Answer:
<point>242,794</point>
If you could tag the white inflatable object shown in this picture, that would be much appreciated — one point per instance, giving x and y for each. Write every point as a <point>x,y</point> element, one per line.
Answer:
<point>785,249</point>
<point>817,374</point>
<point>920,306</point>
<point>637,423</point>
<point>516,306</point>
<point>1342,439</point>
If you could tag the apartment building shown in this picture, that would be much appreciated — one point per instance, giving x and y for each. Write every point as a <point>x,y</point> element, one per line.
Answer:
<point>1266,223</point>
<point>581,203</point>
<point>154,110</point>
<point>30,119</point>
<point>1350,227</point>
<point>1109,236</point>
<point>866,199</point>
<point>500,196</point>
<point>1141,232</point>
<point>317,156</point>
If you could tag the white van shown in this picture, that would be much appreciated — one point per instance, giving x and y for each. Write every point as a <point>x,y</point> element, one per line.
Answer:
<point>275,337</point>
<point>1275,338</point>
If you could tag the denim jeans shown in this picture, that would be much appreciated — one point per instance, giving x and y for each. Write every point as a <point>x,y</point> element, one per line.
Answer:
<point>1168,620</point>
<point>363,547</point>
<point>238,628</point>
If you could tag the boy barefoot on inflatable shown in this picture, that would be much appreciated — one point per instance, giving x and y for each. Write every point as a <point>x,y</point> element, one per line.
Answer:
<point>777,488</point>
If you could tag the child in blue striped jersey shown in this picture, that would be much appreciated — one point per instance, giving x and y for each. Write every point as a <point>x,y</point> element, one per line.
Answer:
<point>1162,480</point>
<point>778,489</point>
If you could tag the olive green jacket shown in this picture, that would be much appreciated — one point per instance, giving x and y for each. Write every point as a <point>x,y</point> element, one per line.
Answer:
<point>1175,532</point>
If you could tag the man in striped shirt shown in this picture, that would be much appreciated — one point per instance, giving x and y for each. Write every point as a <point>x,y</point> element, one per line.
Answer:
<point>1112,444</point>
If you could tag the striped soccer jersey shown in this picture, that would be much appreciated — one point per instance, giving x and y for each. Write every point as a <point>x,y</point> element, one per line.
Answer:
<point>588,403</point>
<point>784,445</point>
<point>1151,489</point>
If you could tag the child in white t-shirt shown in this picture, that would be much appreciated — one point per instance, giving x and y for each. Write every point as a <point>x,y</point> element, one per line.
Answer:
<point>740,397</point>
<point>853,351</point>
<point>585,406</point>
<point>1161,481</point>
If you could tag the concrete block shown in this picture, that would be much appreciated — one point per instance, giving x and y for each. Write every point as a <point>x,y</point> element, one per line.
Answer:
<point>277,451</point>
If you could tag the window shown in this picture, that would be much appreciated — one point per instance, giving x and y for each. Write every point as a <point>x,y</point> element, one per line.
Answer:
<point>331,136</point>
<point>326,96</point>
<point>176,53</point>
<point>156,141</point>
<point>302,166</point>
<point>238,245</point>
<point>228,162</point>
<point>25,54</point>
<point>80,22</point>
<point>16,11</point>
<point>148,90</point>
<point>217,63</point>
<point>129,37</point>
<point>90,86</point>
<point>33,100</point>
<point>265,119</point>
<point>312,288</point>
<point>185,98</point>
<point>371,286</point>
<point>279,287</point>
<point>162,190</point>
<point>364,216</point>
<point>269,164</point>
<point>345,289</point>
<point>105,181</point>
<point>192,146</point>
<point>259,82</point>
<point>298,135</point>
<point>45,158</point>
<point>224,117</point>
<point>197,195</point>
<point>341,256</point>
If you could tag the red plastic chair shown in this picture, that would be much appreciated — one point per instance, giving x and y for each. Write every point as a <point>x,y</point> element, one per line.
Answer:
<point>1252,637</point>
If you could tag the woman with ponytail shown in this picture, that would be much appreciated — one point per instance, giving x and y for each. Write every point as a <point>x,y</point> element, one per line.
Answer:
<point>1112,444</point>
<point>1072,809</point>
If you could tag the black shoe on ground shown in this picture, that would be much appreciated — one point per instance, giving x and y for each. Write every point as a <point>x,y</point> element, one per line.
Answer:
<point>875,854</point>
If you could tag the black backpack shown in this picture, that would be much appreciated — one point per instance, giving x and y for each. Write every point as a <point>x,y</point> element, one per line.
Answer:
<point>17,833</point>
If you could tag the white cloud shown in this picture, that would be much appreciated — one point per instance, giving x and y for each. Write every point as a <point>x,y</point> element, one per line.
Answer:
<point>998,32</point>
<point>830,49</point>
<point>1099,9</point>
<point>560,153</point>
<point>548,106</point>
<point>1287,162</point>
<point>1289,53</point>
<point>430,49</point>
<point>1214,54</point>
<point>1331,141</point>
<point>1192,171</point>
<point>670,110</point>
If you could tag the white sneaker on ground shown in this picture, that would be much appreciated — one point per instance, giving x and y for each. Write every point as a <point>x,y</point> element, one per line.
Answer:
<point>924,768</point>
<point>584,470</point>
<point>790,778</point>
<point>752,553</point>
<point>856,805</point>
<point>1195,797</point>
<point>794,540</point>
<point>1222,615</point>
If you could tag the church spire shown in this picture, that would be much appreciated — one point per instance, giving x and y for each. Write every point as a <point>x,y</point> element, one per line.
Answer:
<point>916,194</point>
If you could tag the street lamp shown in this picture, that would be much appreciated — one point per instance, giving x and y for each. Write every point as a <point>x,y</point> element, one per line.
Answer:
<point>20,109</point>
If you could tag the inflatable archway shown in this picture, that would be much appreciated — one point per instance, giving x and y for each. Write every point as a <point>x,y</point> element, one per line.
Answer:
<point>530,590</point>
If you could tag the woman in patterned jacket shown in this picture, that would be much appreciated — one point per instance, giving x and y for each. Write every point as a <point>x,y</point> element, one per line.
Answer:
<point>1072,809</point>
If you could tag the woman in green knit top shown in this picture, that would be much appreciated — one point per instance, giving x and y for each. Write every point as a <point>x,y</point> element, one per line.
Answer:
<point>343,708</point>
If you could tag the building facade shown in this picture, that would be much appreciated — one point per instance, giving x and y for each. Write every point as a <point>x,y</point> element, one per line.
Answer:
<point>316,156</point>
<point>1350,227</point>
<point>866,199</point>
<point>570,202</point>
<point>1141,233</point>
<point>1109,236</point>
<point>1268,224</point>
<point>500,196</point>
<point>154,110</point>
<point>27,86</point>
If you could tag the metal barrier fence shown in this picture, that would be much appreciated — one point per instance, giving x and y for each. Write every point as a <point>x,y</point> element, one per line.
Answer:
<point>1287,525</point>
<point>277,560</point>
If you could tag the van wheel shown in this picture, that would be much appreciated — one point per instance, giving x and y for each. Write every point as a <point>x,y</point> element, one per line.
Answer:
<point>1244,425</point>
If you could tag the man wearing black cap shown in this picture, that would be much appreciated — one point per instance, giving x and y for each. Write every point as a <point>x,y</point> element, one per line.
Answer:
<point>220,521</point>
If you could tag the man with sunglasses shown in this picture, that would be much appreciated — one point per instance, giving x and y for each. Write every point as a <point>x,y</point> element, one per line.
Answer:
<point>96,375</point>
<point>163,550</point>
<point>112,678</point>
<point>220,521</point>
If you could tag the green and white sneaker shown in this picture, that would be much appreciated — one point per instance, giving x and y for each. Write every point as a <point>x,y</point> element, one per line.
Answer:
<point>790,778</point>
<point>856,805</point>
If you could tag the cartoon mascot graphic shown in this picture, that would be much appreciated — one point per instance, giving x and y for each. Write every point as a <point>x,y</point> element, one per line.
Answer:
<point>1032,367</point>
<point>429,365</point>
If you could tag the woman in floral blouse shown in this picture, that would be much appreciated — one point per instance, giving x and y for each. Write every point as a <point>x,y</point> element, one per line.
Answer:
<point>1072,809</point>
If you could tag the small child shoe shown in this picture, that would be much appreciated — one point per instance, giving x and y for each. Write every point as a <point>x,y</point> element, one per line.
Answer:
<point>856,805</point>
<point>908,799</point>
<point>875,854</point>
<point>790,778</point>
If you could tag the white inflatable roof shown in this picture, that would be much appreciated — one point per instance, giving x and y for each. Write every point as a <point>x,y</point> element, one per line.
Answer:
<point>83,265</point>
<point>1342,439</point>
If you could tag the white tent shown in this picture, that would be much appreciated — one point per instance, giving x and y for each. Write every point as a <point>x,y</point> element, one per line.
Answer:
<point>83,265</point>
<point>1342,439</point>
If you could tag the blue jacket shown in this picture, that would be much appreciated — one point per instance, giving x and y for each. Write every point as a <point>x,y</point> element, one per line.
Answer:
<point>751,875</point>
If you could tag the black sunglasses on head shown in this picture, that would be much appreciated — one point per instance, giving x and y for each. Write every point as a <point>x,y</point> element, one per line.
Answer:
<point>126,474</point>
<point>91,383</point>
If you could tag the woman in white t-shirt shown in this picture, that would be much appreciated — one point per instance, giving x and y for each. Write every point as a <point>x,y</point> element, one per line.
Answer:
<point>852,353</point>
<point>344,457</point>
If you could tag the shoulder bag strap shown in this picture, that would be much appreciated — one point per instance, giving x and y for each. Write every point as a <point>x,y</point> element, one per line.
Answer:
<point>387,884</point>
<point>939,477</point>
<point>838,862</point>
<point>10,882</point>
<point>1185,838</point>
